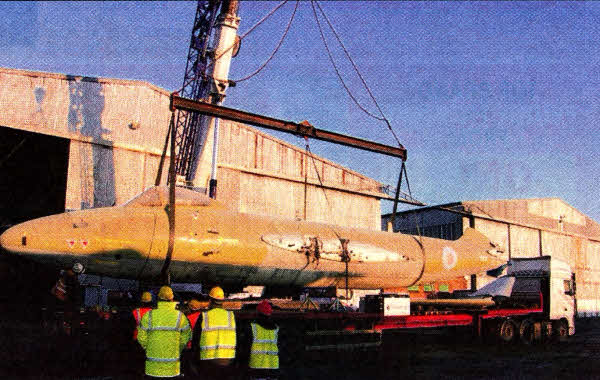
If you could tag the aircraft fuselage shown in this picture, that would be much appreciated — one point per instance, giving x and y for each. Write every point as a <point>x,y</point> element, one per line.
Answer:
<point>214,244</point>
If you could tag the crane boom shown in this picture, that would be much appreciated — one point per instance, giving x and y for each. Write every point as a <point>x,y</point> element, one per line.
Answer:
<point>197,84</point>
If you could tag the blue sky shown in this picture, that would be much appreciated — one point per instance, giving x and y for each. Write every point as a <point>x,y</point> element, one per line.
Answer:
<point>491,100</point>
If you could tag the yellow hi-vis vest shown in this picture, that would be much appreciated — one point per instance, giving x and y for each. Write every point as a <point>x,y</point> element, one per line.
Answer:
<point>264,352</point>
<point>217,340</point>
<point>163,333</point>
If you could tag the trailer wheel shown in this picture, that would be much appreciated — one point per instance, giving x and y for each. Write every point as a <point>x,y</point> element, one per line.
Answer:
<point>527,332</point>
<point>547,331</point>
<point>561,330</point>
<point>507,331</point>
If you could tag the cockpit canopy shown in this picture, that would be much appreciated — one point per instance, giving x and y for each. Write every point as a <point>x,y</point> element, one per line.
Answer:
<point>159,196</point>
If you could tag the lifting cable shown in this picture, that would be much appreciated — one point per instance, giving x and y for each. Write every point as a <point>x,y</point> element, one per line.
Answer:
<point>164,152</point>
<point>397,196</point>
<point>383,118</point>
<point>392,218</point>
<point>238,41</point>
<point>287,29</point>
<point>311,155</point>
<point>345,255</point>
<point>338,72</point>
<point>165,274</point>
<point>335,33</point>
<point>366,86</point>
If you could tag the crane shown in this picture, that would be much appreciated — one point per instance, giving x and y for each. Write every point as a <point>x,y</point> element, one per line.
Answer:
<point>212,45</point>
<point>206,78</point>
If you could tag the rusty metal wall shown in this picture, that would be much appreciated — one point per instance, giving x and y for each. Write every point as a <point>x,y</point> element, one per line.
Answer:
<point>117,130</point>
<point>565,233</point>
<point>560,246</point>
<point>250,150</point>
<point>588,279</point>
<point>269,195</point>
<point>532,228</point>
<point>117,113</point>
<point>524,242</point>
<point>258,173</point>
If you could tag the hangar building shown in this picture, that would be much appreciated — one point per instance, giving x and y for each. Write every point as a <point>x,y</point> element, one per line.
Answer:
<point>522,228</point>
<point>74,142</point>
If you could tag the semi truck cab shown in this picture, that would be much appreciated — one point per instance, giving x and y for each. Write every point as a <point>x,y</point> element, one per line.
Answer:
<point>543,285</point>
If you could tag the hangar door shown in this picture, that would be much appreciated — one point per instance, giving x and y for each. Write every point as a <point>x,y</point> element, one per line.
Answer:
<point>33,175</point>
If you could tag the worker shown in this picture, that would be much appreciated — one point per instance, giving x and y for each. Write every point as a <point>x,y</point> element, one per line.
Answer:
<point>63,308</point>
<point>263,362</point>
<point>134,351</point>
<point>67,289</point>
<point>194,307</point>
<point>67,296</point>
<point>139,312</point>
<point>217,338</point>
<point>191,367</point>
<point>163,333</point>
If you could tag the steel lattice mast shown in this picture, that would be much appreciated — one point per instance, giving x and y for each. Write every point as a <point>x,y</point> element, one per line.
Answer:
<point>196,85</point>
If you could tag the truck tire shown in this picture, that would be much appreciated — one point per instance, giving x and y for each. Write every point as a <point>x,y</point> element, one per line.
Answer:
<point>547,331</point>
<point>561,330</point>
<point>527,332</point>
<point>508,331</point>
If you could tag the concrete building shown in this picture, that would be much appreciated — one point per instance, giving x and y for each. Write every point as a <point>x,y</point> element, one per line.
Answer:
<point>523,228</point>
<point>71,142</point>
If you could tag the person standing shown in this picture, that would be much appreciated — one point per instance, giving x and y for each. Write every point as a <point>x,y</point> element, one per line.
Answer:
<point>138,313</point>
<point>135,353</point>
<point>67,291</point>
<point>66,297</point>
<point>191,369</point>
<point>263,361</point>
<point>163,333</point>
<point>217,342</point>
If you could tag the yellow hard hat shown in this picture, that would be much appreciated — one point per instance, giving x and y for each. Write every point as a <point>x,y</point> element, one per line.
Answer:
<point>146,297</point>
<point>194,304</point>
<point>217,293</point>
<point>165,293</point>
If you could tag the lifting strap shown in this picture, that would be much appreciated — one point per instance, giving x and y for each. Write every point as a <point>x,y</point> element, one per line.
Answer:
<point>397,196</point>
<point>345,256</point>
<point>165,274</point>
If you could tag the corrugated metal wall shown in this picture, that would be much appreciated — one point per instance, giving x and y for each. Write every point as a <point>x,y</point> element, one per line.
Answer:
<point>588,279</point>
<point>550,227</point>
<point>524,242</point>
<point>261,174</point>
<point>530,228</point>
<point>117,130</point>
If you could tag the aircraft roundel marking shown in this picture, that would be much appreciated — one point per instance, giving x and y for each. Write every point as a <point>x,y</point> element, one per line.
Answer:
<point>449,258</point>
<point>70,243</point>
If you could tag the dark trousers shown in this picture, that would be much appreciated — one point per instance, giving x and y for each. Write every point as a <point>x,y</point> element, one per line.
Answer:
<point>208,369</point>
<point>190,366</point>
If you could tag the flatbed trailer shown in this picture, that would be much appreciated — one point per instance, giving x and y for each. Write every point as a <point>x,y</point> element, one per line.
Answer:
<point>533,302</point>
